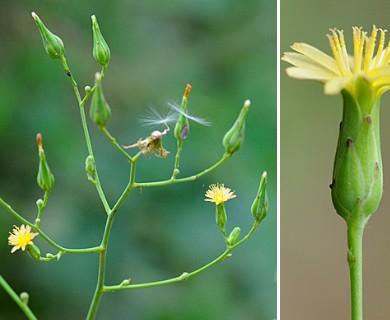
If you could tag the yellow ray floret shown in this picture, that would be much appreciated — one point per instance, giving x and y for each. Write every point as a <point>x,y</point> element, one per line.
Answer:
<point>219,194</point>
<point>340,70</point>
<point>21,237</point>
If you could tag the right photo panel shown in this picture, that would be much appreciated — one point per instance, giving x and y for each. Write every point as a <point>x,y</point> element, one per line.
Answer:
<point>335,160</point>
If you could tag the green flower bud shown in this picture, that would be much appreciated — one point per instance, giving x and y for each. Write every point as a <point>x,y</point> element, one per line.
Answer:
<point>24,296</point>
<point>45,179</point>
<point>101,51</point>
<point>234,137</point>
<point>90,165</point>
<point>99,111</point>
<point>52,43</point>
<point>182,127</point>
<point>34,251</point>
<point>40,203</point>
<point>234,236</point>
<point>259,207</point>
<point>357,174</point>
<point>220,216</point>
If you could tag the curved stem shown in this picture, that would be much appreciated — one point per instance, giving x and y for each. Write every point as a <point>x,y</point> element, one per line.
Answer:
<point>184,276</point>
<point>191,178</point>
<point>23,306</point>
<point>43,235</point>
<point>355,262</point>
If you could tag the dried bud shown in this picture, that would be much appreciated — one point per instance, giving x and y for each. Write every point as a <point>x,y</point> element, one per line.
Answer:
<point>234,236</point>
<point>260,204</point>
<point>52,43</point>
<point>234,137</point>
<point>101,51</point>
<point>45,179</point>
<point>99,111</point>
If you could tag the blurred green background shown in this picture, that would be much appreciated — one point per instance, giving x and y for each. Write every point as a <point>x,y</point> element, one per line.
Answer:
<point>314,270</point>
<point>226,50</point>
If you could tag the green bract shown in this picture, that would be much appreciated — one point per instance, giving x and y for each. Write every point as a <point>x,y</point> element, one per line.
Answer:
<point>52,43</point>
<point>234,137</point>
<point>259,207</point>
<point>101,51</point>
<point>357,174</point>
<point>100,111</point>
<point>45,178</point>
<point>234,236</point>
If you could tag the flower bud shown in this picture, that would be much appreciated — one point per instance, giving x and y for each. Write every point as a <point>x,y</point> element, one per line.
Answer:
<point>234,137</point>
<point>45,178</point>
<point>24,296</point>
<point>101,51</point>
<point>99,111</point>
<point>220,216</point>
<point>40,203</point>
<point>234,236</point>
<point>90,165</point>
<point>52,43</point>
<point>259,207</point>
<point>357,173</point>
<point>34,251</point>
<point>182,127</point>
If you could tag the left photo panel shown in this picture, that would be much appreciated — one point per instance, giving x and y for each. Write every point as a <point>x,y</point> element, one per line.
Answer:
<point>138,152</point>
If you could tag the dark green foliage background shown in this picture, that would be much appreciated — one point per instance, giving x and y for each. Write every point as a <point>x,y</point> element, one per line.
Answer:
<point>226,50</point>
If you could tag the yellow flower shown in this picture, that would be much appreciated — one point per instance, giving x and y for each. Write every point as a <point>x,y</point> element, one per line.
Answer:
<point>342,70</point>
<point>21,237</point>
<point>219,194</point>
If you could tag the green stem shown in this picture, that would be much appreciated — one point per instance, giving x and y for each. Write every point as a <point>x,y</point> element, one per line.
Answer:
<point>40,210</point>
<point>116,145</point>
<point>43,235</point>
<point>191,178</point>
<point>23,306</point>
<point>184,276</point>
<point>355,262</point>
<point>103,253</point>
<point>177,159</point>
<point>81,103</point>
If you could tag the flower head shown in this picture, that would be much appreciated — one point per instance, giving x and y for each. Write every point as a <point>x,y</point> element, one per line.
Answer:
<point>219,194</point>
<point>21,237</point>
<point>342,70</point>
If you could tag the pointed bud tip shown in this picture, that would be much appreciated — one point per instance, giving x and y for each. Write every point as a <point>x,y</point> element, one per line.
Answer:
<point>188,90</point>
<point>264,174</point>
<point>34,15</point>
<point>39,140</point>
<point>98,76</point>
<point>247,103</point>
<point>93,17</point>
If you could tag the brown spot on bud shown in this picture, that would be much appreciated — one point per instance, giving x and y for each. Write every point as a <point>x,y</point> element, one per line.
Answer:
<point>368,119</point>
<point>332,184</point>
<point>39,141</point>
<point>68,73</point>
<point>349,142</point>
<point>188,90</point>
<point>376,166</point>
<point>341,123</point>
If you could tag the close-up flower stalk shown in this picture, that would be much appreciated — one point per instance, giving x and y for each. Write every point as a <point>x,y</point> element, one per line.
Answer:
<point>357,182</point>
